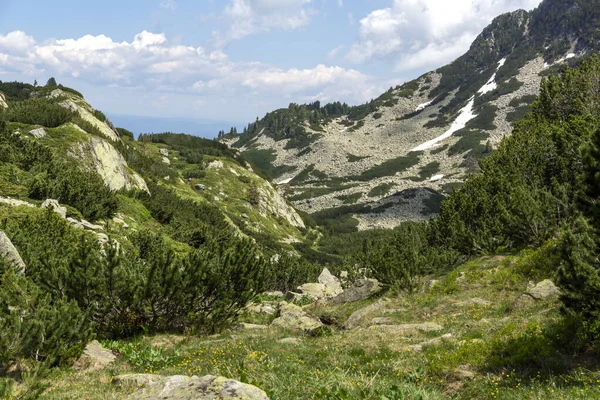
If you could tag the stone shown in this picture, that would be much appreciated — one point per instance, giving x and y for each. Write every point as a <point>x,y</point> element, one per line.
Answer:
<point>356,318</point>
<point>10,254</point>
<point>407,329</point>
<point>38,133</point>
<point>544,290</point>
<point>295,318</point>
<point>62,211</point>
<point>432,283</point>
<point>199,186</point>
<point>274,293</point>
<point>361,290</point>
<point>249,327</point>
<point>3,103</point>
<point>166,160</point>
<point>14,202</point>
<point>244,216</point>
<point>102,238</point>
<point>94,357</point>
<point>328,286</point>
<point>164,152</point>
<point>74,223</point>
<point>89,226</point>
<point>181,387</point>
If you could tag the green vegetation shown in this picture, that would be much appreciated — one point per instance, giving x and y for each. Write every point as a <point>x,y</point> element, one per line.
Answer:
<point>353,158</point>
<point>389,167</point>
<point>263,160</point>
<point>381,190</point>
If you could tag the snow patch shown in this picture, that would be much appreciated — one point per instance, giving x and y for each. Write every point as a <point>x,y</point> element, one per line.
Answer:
<point>283,182</point>
<point>436,178</point>
<point>465,115</point>
<point>421,107</point>
<point>491,84</point>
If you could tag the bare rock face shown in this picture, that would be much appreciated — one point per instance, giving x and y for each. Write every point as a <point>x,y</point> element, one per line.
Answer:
<point>328,286</point>
<point>55,206</point>
<point>94,357</point>
<point>38,133</point>
<point>179,387</point>
<point>362,289</point>
<point>3,103</point>
<point>295,318</point>
<point>90,118</point>
<point>9,253</point>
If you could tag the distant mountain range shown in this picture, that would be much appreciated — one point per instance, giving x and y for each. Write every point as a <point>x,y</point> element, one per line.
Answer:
<point>196,127</point>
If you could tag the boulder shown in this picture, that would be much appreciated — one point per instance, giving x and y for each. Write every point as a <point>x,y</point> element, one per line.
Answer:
<point>3,103</point>
<point>38,133</point>
<point>289,340</point>
<point>361,290</point>
<point>407,329</point>
<point>328,286</point>
<point>164,152</point>
<point>544,290</point>
<point>199,186</point>
<point>102,238</point>
<point>94,357</point>
<point>62,211</point>
<point>9,253</point>
<point>74,223</point>
<point>356,318</point>
<point>166,160</point>
<point>180,387</point>
<point>89,226</point>
<point>293,317</point>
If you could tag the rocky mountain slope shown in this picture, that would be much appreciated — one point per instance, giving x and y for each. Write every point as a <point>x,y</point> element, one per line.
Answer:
<point>394,159</point>
<point>59,123</point>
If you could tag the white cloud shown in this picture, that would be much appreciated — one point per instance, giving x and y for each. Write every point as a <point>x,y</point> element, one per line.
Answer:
<point>425,33</point>
<point>340,3</point>
<point>150,62</point>
<point>168,4</point>
<point>248,17</point>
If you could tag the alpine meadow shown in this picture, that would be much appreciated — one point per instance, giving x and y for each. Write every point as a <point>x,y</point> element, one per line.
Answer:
<point>439,241</point>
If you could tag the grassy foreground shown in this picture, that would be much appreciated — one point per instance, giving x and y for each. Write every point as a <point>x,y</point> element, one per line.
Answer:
<point>485,349</point>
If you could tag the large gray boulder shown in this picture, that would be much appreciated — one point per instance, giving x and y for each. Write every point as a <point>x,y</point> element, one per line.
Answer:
<point>361,290</point>
<point>9,253</point>
<point>328,286</point>
<point>544,290</point>
<point>180,387</point>
<point>359,317</point>
<point>38,133</point>
<point>55,206</point>
<point>94,357</point>
<point>295,318</point>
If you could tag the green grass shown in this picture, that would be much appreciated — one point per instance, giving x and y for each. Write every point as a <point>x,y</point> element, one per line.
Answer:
<point>353,158</point>
<point>519,354</point>
<point>350,198</point>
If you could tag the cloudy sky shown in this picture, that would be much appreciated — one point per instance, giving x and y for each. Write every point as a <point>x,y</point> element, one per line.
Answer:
<point>233,60</point>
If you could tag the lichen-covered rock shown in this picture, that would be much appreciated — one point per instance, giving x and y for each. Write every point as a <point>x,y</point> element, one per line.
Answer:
<point>179,387</point>
<point>56,207</point>
<point>109,163</point>
<point>3,103</point>
<point>544,290</point>
<point>361,290</point>
<point>9,253</point>
<point>328,286</point>
<point>293,317</point>
<point>90,118</point>
<point>38,133</point>
<point>94,357</point>
<point>359,317</point>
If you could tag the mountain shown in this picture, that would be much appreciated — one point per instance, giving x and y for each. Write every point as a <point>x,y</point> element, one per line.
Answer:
<point>56,145</point>
<point>396,157</point>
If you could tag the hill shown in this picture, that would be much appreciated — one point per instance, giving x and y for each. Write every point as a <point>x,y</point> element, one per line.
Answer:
<point>394,158</point>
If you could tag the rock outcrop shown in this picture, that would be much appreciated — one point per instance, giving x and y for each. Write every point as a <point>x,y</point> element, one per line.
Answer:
<point>94,357</point>
<point>38,133</point>
<point>110,164</point>
<point>361,290</point>
<point>90,118</point>
<point>179,387</point>
<point>328,286</point>
<point>295,318</point>
<point>55,206</point>
<point>9,253</point>
<point>3,103</point>
<point>544,290</point>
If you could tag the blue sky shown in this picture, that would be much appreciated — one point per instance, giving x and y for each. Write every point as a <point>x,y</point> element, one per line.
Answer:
<point>233,60</point>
